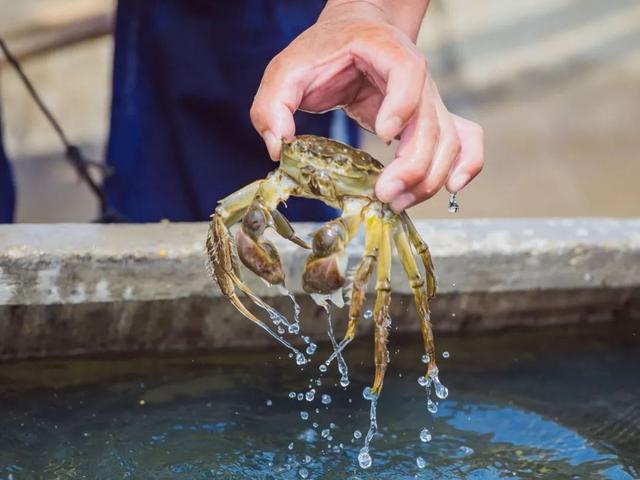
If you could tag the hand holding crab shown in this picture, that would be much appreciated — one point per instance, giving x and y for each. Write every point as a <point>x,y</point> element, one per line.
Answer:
<point>344,178</point>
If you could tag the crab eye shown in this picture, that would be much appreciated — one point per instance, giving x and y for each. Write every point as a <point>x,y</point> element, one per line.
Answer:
<point>255,221</point>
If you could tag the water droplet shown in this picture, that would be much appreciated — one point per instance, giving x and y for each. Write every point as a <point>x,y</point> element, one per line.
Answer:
<point>441,391</point>
<point>431,406</point>
<point>344,382</point>
<point>326,399</point>
<point>325,433</point>
<point>425,358</point>
<point>465,451</point>
<point>303,472</point>
<point>304,415</point>
<point>306,339</point>
<point>294,328</point>
<point>315,424</point>
<point>300,359</point>
<point>367,393</point>
<point>368,314</point>
<point>423,381</point>
<point>453,204</point>
<point>280,329</point>
<point>292,394</point>
<point>322,368</point>
<point>269,403</point>
<point>357,434</point>
<point>445,354</point>
<point>421,463</point>
<point>300,397</point>
<point>318,382</point>
<point>425,435</point>
<point>311,348</point>
<point>332,425</point>
<point>307,459</point>
<point>290,447</point>
<point>310,395</point>
<point>364,459</point>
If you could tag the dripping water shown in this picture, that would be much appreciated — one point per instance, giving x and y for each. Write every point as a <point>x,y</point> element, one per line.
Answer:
<point>364,457</point>
<point>337,353</point>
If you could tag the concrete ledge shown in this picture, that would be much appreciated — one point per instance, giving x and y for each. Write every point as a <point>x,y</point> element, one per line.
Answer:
<point>67,289</point>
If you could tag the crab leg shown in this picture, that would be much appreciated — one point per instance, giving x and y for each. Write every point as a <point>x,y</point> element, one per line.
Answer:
<point>361,279</point>
<point>363,272</point>
<point>259,255</point>
<point>418,287</point>
<point>423,251</point>
<point>381,309</point>
<point>223,267</point>
<point>222,256</point>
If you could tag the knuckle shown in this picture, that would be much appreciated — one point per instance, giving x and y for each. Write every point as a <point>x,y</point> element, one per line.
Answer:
<point>414,173</point>
<point>255,113</point>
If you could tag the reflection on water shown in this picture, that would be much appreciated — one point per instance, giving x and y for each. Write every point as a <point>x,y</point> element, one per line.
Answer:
<point>551,404</point>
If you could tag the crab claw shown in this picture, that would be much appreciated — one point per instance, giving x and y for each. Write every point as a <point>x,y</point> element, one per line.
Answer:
<point>259,256</point>
<point>324,271</point>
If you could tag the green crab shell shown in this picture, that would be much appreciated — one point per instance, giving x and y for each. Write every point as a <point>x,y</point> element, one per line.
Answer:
<point>340,169</point>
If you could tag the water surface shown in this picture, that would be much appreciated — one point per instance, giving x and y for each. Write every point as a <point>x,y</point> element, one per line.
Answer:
<point>553,403</point>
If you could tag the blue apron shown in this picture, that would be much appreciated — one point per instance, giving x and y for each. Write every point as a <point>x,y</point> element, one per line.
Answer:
<point>185,73</point>
<point>7,192</point>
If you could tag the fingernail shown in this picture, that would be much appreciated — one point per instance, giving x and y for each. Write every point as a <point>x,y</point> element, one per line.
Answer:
<point>273,144</point>
<point>458,181</point>
<point>387,190</point>
<point>390,128</point>
<point>402,202</point>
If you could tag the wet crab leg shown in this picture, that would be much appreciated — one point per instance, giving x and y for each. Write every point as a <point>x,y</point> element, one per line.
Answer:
<point>223,267</point>
<point>381,309</point>
<point>418,288</point>
<point>222,260</point>
<point>423,251</point>
<point>361,278</point>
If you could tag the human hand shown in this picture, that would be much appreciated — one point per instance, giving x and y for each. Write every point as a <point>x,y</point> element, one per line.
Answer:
<point>356,58</point>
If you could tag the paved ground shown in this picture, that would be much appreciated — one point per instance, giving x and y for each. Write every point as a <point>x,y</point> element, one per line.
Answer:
<point>556,85</point>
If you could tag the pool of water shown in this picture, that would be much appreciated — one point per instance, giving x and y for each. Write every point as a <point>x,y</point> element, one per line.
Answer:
<point>553,403</point>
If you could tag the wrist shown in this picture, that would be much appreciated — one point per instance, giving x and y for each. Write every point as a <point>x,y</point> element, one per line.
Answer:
<point>406,15</point>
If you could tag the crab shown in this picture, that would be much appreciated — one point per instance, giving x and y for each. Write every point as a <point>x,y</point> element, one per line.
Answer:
<point>344,178</point>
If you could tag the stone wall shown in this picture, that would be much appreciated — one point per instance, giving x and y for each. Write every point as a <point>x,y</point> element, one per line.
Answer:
<point>75,289</point>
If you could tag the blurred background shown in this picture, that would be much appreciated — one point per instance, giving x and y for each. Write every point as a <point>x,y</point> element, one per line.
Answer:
<point>554,83</point>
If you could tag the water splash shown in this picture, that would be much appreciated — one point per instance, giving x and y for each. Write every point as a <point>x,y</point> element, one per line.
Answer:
<point>337,351</point>
<point>300,358</point>
<point>364,457</point>
<point>440,390</point>
<point>293,327</point>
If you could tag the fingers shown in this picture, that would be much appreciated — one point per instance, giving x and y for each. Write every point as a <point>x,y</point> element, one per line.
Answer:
<point>418,142</point>
<point>471,158</point>
<point>445,154</point>
<point>399,70</point>
<point>278,97</point>
<point>459,158</point>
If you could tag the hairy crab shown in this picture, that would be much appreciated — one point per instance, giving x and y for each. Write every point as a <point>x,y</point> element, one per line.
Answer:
<point>342,177</point>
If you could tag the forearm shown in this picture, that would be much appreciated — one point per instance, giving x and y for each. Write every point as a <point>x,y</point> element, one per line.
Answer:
<point>406,15</point>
